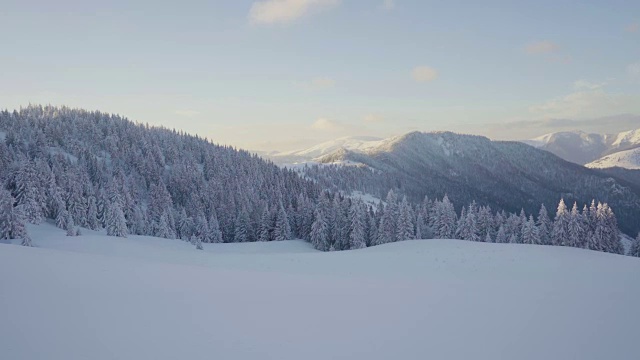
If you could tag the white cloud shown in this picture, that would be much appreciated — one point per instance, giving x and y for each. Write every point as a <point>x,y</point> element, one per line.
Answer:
<point>324,124</point>
<point>285,11</point>
<point>587,85</point>
<point>633,28</point>
<point>320,83</point>
<point>388,5</point>
<point>424,73</point>
<point>373,119</point>
<point>634,70</point>
<point>187,113</point>
<point>587,103</point>
<point>541,47</point>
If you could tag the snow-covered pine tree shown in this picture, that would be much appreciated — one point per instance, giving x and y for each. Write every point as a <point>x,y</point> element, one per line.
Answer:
<point>530,232</point>
<point>70,225</point>
<point>28,194</point>
<point>372,228</point>
<point>404,227</point>
<point>634,250</point>
<point>92,214</point>
<point>319,232</point>
<point>607,230</point>
<point>501,236</point>
<point>282,230</point>
<point>544,225</point>
<point>241,232</point>
<point>560,232</point>
<point>12,220</point>
<point>485,223</point>
<point>266,227</point>
<point>214,235</point>
<point>575,228</point>
<point>61,219</point>
<point>357,226</point>
<point>116,223</point>
<point>468,229</point>
<point>444,219</point>
<point>198,243</point>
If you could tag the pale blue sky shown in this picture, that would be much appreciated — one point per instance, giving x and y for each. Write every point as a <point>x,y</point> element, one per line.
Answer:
<point>282,74</point>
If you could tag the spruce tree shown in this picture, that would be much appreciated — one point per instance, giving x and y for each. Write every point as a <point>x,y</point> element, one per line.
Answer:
<point>544,225</point>
<point>282,230</point>
<point>634,250</point>
<point>357,227</point>
<point>319,232</point>
<point>560,232</point>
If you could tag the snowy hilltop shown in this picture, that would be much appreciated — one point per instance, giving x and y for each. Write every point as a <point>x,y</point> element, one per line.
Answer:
<point>99,297</point>
<point>595,150</point>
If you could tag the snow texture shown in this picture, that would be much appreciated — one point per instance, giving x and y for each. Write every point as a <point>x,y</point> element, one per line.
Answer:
<point>628,159</point>
<point>98,297</point>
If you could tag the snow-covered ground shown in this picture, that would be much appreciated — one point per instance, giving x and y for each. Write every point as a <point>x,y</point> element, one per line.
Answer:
<point>98,297</point>
<point>629,159</point>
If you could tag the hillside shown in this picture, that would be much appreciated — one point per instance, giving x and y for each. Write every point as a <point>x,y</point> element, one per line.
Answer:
<point>357,143</point>
<point>628,159</point>
<point>504,175</point>
<point>152,298</point>
<point>582,148</point>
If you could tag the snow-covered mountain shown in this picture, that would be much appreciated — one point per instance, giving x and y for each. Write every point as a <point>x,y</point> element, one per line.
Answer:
<point>502,174</point>
<point>628,159</point>
<point>583,148</point>
<point>351,143</point>
<point>153,298</point>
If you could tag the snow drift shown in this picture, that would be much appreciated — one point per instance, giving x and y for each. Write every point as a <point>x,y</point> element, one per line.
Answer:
<point>98,297</point>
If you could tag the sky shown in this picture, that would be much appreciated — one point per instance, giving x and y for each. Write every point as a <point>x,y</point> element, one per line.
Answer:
<point>286,74</point>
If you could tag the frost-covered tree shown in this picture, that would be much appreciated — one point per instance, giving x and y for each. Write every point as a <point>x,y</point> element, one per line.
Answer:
<point>468,227</point>
<point>560,232</point>
<point>319,232</point>
<point>545,226</point>
<point>444,219</point>
<point>404,227</point>
<point>501,236</point>
<point>198,243</point>
<point>213,234</point>
<point>357,216</point>
<point>27,193</point>
<point>12,220</point>
<point>70,225</point>
<point>241,228</point>
<point>530,232</point>
<point>634,250</point>
<point>576,231</point>
<point>282,230</point>
<point>116,223</point>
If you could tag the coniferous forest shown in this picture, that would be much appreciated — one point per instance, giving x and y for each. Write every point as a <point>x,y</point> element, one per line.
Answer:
<point>92,170</point>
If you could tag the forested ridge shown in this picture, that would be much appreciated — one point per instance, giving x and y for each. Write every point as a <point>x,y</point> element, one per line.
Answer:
<point>84,169</point>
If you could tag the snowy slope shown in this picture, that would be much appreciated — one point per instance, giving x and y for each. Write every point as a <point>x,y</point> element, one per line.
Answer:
<point>95,297</point>
<point>574,146</point>
<point>582,148</point>
<point>353,143</point>
<point>628,159</point>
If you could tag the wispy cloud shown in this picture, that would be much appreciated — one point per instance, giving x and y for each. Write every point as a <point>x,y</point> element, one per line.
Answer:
<point>321,83</point>
<point>372,119</point>
<point>187,113</point>
<point>388,5</point>
<point>634,70</point>
<point>324,124</point>
<point>285,11</point>
<point>587,85</point>
<point>541,47</point>
<point>587,103</point>
<point>633,28</point>
<point>424,74</point>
